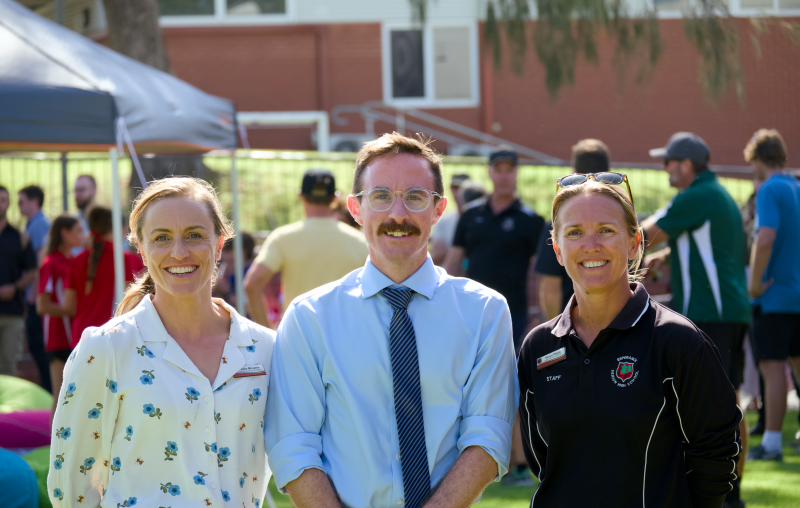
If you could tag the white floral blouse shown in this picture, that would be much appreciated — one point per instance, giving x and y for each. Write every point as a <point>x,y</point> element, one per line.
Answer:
<point>137,424</point>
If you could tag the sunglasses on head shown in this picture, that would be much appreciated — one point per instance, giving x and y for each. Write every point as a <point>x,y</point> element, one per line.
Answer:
<point>607,178</point>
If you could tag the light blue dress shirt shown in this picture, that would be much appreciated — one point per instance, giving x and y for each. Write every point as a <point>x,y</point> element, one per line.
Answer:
<point>331,401</point>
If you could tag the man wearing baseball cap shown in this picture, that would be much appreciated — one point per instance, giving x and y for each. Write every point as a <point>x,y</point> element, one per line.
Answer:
<point>703,227</point>
<point>308,253</point>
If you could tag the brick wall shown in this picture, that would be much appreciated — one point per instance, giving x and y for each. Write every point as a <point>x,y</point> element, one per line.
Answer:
<point>318,67</point>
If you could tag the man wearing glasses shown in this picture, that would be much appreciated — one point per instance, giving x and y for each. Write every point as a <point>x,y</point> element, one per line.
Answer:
<point>704,229</point>
<point>395,385</point>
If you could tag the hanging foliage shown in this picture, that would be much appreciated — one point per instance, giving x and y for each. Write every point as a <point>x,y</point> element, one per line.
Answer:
<point>567,29</point>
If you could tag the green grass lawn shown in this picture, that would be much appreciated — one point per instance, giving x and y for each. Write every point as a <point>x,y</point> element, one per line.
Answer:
<point>765,484</point>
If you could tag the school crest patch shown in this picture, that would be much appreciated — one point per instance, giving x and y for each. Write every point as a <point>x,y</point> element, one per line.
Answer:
<point>625,373</point>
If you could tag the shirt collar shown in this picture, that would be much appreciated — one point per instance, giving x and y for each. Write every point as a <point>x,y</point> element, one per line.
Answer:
<point>37,217</point>
<point>149,323</point>
<point>423,281</point>
<point>630,314</point>
<point>152,330</point>
<point>513,206</point>
<point>704,176</point>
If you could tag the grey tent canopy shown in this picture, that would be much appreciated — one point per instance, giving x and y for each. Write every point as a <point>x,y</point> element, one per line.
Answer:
<point>60,91</point>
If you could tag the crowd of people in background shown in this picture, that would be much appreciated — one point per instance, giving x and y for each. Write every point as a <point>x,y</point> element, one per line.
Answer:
<point>734,273</point>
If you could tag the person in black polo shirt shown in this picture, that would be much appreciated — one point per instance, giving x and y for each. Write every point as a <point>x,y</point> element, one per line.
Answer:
<point>555,286</point>
<point>498,237</point>
<point>17,271</point>
<point>623,402</point>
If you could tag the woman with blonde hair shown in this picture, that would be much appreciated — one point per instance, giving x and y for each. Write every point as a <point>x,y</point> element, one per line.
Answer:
<point>164,404</point>
<point>622,401</point>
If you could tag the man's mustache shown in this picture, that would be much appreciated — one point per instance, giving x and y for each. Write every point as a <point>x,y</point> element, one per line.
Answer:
<point>395,227</point>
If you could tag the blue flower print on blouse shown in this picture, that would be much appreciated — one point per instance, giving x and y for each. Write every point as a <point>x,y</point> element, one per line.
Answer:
<point>87,465</point>
<point>211,447</point>
<point>58,494</point>
<point>128,432</point>
<point>173,490</point>
<point>131,501</point>
<point>241,480</point>
<point>198,478</point>
<point>145,352</point>
<point>151,411</point>
<point>111,385</point>
<point>59,461</point>
<point>256,394</point>
<point>63,433</point>
<point>251,349</point>
<point>171,450</point>
<point>95,412</point>
<point>70,392</point>
<point>148,377</point>
<point>257,502</point>
<point>192,394</point>
<point>115,465</point>
<point>225,496</point>
<point>222,456</point>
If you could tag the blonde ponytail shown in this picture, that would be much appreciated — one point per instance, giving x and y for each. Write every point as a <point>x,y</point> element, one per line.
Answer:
<point>138,289</point>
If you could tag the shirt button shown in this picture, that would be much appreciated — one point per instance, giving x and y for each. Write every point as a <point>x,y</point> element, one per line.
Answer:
<point>213,485</point>
<point>398,457</point>
<point>586,361</point>
<point>211,458</point>
<point>208,399</point>
<point>400,502</point>
<point>208,429</point>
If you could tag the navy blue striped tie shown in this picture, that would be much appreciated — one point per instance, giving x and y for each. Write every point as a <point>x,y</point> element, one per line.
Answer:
<point>408,400</point>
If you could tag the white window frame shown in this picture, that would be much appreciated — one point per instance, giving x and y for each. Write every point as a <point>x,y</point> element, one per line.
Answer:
<point>736,10</point>
<point>220,17</point>
<point>430,101</point>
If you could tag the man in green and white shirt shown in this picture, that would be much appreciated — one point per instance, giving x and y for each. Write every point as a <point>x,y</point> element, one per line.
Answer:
<point>704,229</point>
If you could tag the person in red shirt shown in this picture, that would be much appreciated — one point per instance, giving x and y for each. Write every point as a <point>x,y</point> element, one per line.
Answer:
<point>66,233</point>
<point>91,279</point>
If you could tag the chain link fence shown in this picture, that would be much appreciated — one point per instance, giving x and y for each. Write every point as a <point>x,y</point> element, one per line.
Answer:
<point>269,182</point>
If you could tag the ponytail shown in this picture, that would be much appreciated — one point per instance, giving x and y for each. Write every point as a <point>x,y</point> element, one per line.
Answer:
<point>97,251</point>
<point>138,289</point>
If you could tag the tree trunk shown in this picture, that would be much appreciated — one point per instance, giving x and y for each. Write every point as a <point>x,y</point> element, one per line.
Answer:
<point>133,30</point>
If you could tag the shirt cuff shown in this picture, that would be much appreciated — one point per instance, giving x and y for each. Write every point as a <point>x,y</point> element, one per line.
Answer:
<point>490,433</point>
<point>293,455</point>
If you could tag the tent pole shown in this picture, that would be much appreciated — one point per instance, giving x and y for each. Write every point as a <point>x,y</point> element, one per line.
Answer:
<point>238,265</point>
<point>116,219</point>
<point>64,190</point>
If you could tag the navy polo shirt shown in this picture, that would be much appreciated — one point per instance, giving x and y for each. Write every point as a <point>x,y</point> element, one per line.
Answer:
<point>16,257</point>
<point>500,247</point>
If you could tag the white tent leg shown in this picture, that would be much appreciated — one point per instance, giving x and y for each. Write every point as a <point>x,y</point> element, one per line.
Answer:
<point>116,219</point>
<point>238,265</point>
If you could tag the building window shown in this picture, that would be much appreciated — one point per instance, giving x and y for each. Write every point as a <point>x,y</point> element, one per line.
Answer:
<point>435,66</point>
<point>255,7</point>
<point>186,7</point>
<point>205,12</point>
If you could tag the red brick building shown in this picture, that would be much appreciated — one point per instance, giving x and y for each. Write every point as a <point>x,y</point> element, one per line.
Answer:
<point>291,55</point>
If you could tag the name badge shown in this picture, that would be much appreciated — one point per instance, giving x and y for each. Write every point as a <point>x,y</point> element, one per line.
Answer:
<point>251,370</point>
<point>551,358</point>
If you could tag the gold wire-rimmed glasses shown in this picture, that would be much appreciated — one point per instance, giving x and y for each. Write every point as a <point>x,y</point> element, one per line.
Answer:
<point>381,199</point>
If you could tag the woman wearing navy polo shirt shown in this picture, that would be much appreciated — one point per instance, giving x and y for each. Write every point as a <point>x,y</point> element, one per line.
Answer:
<point>623,402</point>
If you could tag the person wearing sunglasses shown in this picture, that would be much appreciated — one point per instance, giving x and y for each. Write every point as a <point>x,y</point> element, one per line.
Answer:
<point>619,377</point>
<point>396,385</point>
<point>706,249</point>
<point>555,286</point>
